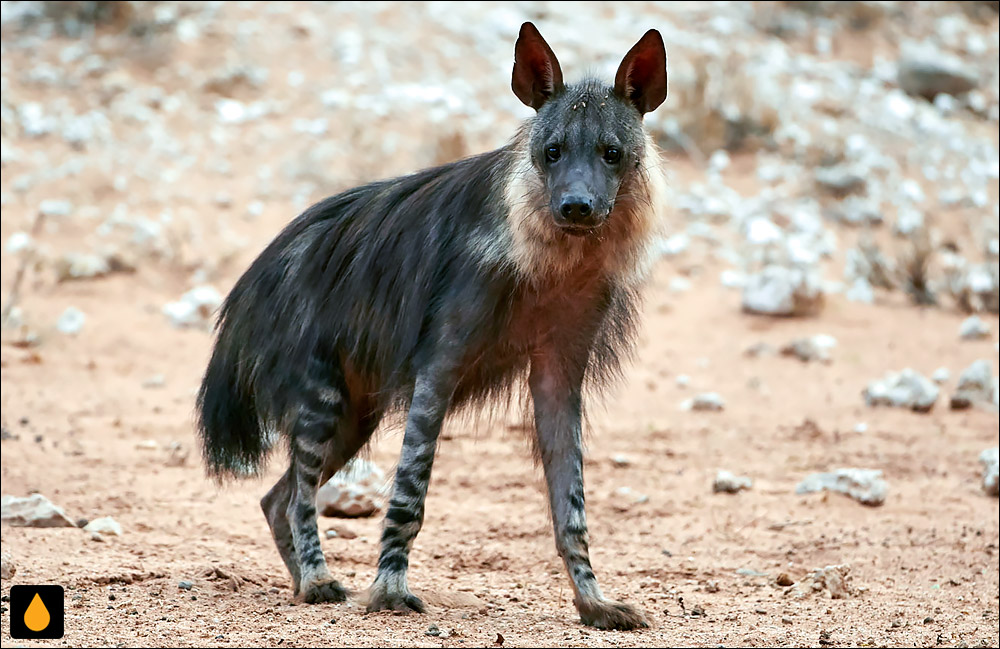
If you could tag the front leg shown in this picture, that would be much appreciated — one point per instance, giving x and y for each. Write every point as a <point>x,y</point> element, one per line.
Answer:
<point>431,397</point>
<point>556,391</point>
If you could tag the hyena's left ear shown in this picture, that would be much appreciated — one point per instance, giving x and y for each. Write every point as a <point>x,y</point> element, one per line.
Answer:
<point>537,75</point>
<point>642,75</point>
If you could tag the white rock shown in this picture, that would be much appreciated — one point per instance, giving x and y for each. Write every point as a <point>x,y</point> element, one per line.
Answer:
<point>7,567</point>
<point>355,491</point>
<point>726,482</point>
<point>905,389</point>
<point>81,266</point>
<point>674,245</point>
<point>782,291</point>
<point>941,375</point>
<point>19,242</point>
<point>52,207</point>
<point>864,485</point>
<point>990,459</point>
<point>706,401</point>
<point>623,498</point>
<point>860,291</point>
<point>835,580</point>
<point>976,385</point>
<point>973,328</point>
<point>34,511</point>
<point>71,321</point>
<point>620,460</point>
<point>683,380</point>
<point>813,348</point>
<point>679,285</point>
<point>105,525</point>
<point>732,278</point>
<point>195,307</point>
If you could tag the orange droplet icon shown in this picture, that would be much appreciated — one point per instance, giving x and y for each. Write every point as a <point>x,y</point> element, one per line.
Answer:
<point>37,616</point>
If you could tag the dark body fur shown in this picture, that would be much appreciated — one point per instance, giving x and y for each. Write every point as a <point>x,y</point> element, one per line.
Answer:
<point>432,292</point>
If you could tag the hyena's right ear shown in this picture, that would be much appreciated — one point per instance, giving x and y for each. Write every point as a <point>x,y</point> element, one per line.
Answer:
<point>537,75</point>
<point>642,75</point>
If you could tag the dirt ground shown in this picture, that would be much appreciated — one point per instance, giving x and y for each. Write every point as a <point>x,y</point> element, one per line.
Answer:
<point>924,566</point>
<point>77,413</point>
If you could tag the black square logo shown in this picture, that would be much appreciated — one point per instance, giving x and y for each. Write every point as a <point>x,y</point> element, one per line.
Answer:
<point>36,612</point>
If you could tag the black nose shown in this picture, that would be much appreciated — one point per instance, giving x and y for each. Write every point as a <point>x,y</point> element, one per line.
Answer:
<point>576,209</point>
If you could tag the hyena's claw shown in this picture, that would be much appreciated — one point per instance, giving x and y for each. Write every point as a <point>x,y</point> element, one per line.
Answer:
<point>608,614</point>
<point>384,600</point>
<point>328,590</point>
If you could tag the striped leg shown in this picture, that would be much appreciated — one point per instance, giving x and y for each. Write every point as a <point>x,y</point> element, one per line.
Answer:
<point>405,515</point>
<point>558,405</point>
<point>325,435</point>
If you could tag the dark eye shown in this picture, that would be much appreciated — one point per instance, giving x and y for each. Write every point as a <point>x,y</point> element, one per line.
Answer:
<point>552,152</point>
<point>612,155</point>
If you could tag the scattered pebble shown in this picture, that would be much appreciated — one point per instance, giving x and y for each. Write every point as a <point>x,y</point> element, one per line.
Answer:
<point>7,567</point>
<point>704,402</point>
<point>726,482</point>
<point>355,491</point>
<point>864,485</point>
<point>624,498</point>
<point>990,459</point>
<point>620,460</point>
<point>34,511</point>
<point>973,328</point>
<point>976,386</point>
<point>782,291</point>
<point>926,71</point>
<point>833,580</point>
<point>195,308</point>
<point>71,321</point>
<point>905,389</point>
<point>941,375</point>
<point>185,585</point>
<point>105,525</point>
<point>813,348</point>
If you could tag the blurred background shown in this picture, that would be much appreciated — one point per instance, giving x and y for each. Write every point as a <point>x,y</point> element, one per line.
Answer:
<point>826,294</point>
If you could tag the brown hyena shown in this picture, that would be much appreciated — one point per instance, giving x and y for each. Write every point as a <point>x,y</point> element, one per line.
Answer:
<point>440,290</point>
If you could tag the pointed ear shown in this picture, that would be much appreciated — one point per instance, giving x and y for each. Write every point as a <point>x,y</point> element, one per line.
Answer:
<point>537,75</point>
<point>642,75</point>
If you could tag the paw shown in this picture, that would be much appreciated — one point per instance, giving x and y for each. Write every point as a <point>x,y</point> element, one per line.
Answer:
<point>608,614</point>
<point>325,590</point>
<point>381,598</point>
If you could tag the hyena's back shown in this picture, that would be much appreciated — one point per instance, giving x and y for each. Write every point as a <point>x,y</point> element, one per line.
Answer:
<point>343,297</point>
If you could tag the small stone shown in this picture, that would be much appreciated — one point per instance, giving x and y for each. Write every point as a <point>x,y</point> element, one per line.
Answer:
<point>682,380</point>
<point>835,580</point>
<point>781,291</point>
<point>905,389</point>
<point>355,491</point>
<point>840,180</point>
<point>624,498</point>
<point>432,630</point>
<point>55,208</point>
<point>704,402</point>
<point>147,445</point>
<point>712,586</point>
<point>71,321</point>
<point>784,580</point>
<point>195,307</point>
<point>990,459</point>
<point>760,349</point>
<point>341,531</point>
<point>813,348</point>
<point>927,72</point>
<point>34,511</point>
<point>19,242</point>
<point>726,482</point>
<point>973,328</point>
<point>185,585</point>
<point>864,485</point>
<point>786,620</point>
<point>976,385</point>
<point>105,525</point>
<point>154,381</point>
<point>7,567</point>
<point>620,460</point>
<point>941,375</point>
<point>177,455</point>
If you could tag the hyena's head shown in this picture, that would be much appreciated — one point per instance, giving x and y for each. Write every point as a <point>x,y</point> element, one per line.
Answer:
<point>587,146</point>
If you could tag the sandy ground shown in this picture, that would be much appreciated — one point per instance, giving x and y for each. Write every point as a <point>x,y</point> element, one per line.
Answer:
<point>924,566</point>
<point>76,412</point>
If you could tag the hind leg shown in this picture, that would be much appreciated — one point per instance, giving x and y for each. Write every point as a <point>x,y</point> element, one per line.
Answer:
<point>275,505</point>
<point>327,432</point>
